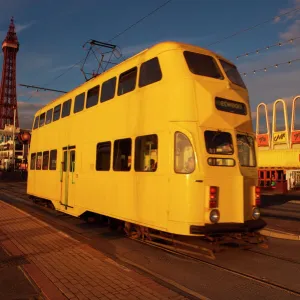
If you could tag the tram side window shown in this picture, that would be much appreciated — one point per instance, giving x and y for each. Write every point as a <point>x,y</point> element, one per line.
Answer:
<point>246,150</point>
<point>108,89</point>
<point>45,160</point>
<point>66,108</point>
<point>122,155</point>
<point>127,81</point>
<point>32,161</point>
<point>56,113</point>
<point>42,120</point>
<point>79,103</point>
<point>150,72</point>
<point>36,122</point>
<point>49,116</point>
<point>146,153</point>
<point>92,96</point>
<point>53,157</point>
<point>201,64</point>
<point>39,161</point>
<point>184,157</point>
<point>103,156</point>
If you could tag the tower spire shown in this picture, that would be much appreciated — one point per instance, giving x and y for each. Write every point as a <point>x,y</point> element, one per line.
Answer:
<point>8,96</point>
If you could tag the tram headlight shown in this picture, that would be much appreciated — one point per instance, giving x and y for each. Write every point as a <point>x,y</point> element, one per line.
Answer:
<point>214,216</point>
<point>255,213</point>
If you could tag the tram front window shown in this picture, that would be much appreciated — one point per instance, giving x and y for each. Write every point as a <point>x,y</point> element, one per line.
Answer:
<point>246,150</point>
<point>201,64</point>
<point>218,142</point>
<point>233,74</point>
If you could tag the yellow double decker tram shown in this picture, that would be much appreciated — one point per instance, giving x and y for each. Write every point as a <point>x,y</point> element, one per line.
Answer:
<point>163,141</point>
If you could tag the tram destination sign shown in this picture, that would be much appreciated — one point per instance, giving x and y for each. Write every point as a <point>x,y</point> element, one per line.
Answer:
<point>231,106</point>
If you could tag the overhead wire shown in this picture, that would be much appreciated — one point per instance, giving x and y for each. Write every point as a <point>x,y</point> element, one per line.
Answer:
<point>114,37</point>
<point>278,44</point>
<point>272,66</point>
<point>252,27</point>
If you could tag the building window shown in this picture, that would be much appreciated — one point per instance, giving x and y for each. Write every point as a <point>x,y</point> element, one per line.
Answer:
<point>92,96</point>
<point>53,157</point>
<point>146,153</point>
<point>150,72</point>
<point>122,155</point>
<point>103,156</point>
<point>66,108</point>
<point>49,116</point>
<point>108,89</point>
<point>39,161</point>
<point>45,160</point>
<point>56,113</point>
<point>42,120</point>
<point>36,122</point>
<point>127,81</point>
<point>79,103</point>
<point>32,161</point>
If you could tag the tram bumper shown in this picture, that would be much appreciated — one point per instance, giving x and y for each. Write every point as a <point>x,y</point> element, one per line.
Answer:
<point>247,226</point>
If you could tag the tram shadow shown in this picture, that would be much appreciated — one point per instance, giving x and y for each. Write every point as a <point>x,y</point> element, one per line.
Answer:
<point>268,200</point>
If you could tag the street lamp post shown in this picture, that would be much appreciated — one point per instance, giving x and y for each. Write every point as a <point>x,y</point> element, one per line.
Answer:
<point>14,128</point>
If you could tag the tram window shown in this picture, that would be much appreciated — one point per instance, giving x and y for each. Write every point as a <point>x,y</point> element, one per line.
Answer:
<point>72,161</point>
<point>232,73</point>
<point>39,161</point>
<point>246,150</point>
<point>108,89</point>
<point>45,160</point>
<point>32,161</point>
<point>146,155</point>
<point>42,119</point>
<point>103,156</point>
<point>92,96</point>
<point>49,116</point>
<point>218,142</point>
<point>79,103</point>
<point>184,157</point>
<point>56,113</point>
<point>36,122</point>
<point>150,72</point>
<point>127,81</point>
<point>201,64</point>
<point>53,157</point>
<point>122,155</point>
<point>66,108</point>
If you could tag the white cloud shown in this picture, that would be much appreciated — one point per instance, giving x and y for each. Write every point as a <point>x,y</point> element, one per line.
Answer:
<point>287,17</point>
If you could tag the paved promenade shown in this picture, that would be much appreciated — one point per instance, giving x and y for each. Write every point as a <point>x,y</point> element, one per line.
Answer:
<point>64,268</point>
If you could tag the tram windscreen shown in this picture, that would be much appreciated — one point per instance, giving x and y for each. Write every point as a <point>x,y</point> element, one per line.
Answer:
<point>218,142</point>
<point>233,74</point>
<point>201,64</point>
<point>246,150</point>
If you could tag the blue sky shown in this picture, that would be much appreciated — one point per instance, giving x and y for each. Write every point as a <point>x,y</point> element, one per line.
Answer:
<point>51,35</point>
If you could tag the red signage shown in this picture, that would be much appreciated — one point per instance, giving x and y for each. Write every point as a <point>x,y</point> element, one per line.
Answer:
<point>262,140</point>
<point>296,137</point>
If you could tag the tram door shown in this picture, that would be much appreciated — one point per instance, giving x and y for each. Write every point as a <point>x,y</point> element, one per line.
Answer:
<point>68,183</point>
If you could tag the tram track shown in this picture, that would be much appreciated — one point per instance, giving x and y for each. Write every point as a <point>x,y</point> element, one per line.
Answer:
<point>19,194</point>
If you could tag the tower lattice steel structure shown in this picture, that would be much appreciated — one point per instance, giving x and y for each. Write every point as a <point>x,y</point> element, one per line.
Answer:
<point>8,95</point>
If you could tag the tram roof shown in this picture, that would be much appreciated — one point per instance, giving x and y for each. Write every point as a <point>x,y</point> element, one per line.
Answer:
<point>156,49</point>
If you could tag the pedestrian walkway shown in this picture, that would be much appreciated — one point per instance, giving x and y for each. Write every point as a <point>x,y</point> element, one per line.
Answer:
<point>64,268</point>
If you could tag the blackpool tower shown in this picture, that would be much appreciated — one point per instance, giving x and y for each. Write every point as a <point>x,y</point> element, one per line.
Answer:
<point>8,95</point>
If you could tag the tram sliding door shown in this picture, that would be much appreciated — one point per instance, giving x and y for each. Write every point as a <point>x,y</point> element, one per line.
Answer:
<point>68,183</point>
